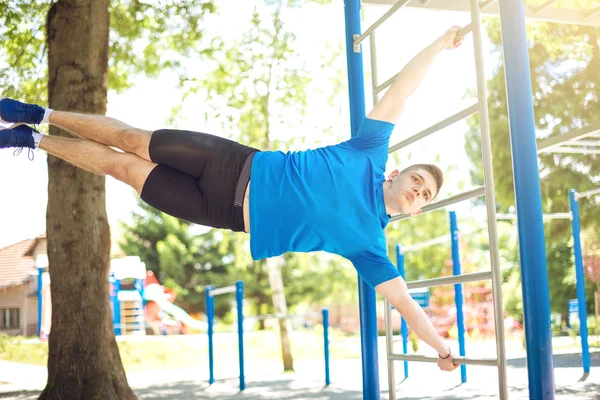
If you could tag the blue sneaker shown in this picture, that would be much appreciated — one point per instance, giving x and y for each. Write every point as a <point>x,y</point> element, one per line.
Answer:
<point>17,113</point>
<point>19,137</point>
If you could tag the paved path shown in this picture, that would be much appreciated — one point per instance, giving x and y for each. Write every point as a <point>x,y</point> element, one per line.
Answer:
<point>264,381</point>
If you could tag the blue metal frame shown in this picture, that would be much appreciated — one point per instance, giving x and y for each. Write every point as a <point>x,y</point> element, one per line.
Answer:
<point>210,318</point>
<point>403,326</point>
<point>239,299</point>
<point>458,295</point>
<point>532,250</point>
<point>581,300</point>
<point>40,283</point>
<point>326,344</point>
<point>115,286</point>
<point>367,301</point>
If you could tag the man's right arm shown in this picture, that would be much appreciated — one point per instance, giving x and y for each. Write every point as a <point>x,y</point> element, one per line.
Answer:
<point>391,105</point>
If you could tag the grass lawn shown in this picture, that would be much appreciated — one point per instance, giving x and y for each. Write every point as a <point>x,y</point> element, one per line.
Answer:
<point>191,351</point>
<point>186,351</point>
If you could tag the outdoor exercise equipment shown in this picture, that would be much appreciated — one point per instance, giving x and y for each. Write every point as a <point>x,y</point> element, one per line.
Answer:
<point>525,169</point>
<point>238,289</point>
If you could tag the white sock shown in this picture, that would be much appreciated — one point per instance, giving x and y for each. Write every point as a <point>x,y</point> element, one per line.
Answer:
<point>37,137</point>
<point>46,118</point>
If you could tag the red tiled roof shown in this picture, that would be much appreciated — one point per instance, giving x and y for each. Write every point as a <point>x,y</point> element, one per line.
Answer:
<point>16,262</point>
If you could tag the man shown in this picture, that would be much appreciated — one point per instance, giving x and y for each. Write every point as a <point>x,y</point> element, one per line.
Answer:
<point>333,198</point>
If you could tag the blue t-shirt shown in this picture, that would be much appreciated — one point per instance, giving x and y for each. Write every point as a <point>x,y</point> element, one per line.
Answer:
<point>330,199</point>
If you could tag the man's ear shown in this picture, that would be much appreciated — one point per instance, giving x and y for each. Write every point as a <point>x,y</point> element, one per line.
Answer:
<point>414,213</point>
<point>393,175</point>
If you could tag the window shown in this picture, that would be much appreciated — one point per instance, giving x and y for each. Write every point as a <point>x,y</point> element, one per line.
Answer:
<point>10,318</point>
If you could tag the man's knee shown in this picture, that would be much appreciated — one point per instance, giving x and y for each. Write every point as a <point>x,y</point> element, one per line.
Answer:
<point>134,140</point>
<point>128,168</point>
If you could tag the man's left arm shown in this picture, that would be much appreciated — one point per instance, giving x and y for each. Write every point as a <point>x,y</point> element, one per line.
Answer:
<point>375,268</point>
<point>396,293</point>
<point>391,105</point>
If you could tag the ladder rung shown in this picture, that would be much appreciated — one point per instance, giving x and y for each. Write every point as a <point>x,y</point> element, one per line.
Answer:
<point>436,127</point>
<point>542,7</point>
<point>450,280</point>
<point>223,290</point>
<point>588,193</point>
<point>573,150</point>
<point>465,31</point>
<point>592,13</point>
<point>399,4</point>
<point>489,362</point>
<point>471,194</point>
<point>485,4</point>
<point>591,130</point>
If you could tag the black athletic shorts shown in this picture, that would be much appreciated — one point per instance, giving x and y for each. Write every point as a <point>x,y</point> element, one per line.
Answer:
<point>200,178</point>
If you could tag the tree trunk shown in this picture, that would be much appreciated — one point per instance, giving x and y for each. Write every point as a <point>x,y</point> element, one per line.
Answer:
<point>83,360</point>
<point>276,282</point>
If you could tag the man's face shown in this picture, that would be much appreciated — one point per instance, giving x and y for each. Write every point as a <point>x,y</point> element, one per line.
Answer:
<point>412,190</point>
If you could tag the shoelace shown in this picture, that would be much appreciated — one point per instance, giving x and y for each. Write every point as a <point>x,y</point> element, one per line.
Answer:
<point>21,141</point>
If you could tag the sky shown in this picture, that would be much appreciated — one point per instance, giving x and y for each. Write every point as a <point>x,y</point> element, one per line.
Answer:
<point>148,105</point>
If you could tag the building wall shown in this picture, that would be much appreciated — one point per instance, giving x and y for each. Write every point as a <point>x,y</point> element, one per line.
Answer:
<point>14,297</point>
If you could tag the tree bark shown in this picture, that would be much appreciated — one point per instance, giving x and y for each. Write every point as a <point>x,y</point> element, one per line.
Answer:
<point>276,282</point>
<point>83,361</point>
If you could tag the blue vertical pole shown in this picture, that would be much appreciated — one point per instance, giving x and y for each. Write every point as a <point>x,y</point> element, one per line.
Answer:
<point>239,299</point>
<point>40,283</point>
<point>113,300</point>
<point>210,318</point>
<point>532,251</point>
<point>458,295</point>
<point>117,308</point>
<point>367,305</point>
<point>403,326</point>
<point>580,281</point>
<point>326,344</point>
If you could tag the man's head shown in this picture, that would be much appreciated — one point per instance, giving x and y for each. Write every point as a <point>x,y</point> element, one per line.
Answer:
<point>408,190</point>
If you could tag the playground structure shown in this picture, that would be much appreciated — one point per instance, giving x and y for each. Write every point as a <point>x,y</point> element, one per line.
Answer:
<point>138,302</point>
<point>536,299</point>
<point>238,289</point>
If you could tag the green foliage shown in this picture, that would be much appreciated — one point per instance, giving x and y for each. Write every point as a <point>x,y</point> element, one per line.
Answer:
<point>143,39</point>
<point>565,71</point>
<point>180,259</point>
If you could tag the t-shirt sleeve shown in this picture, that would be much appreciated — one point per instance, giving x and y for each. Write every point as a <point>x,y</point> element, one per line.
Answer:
<point>373,139</point>
<point>373,264</point>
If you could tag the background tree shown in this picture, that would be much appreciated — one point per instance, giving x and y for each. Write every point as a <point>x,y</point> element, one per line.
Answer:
<point>180,259</point>
<point>564,65</point>
<point>87,48</point>
<point>79,366</point>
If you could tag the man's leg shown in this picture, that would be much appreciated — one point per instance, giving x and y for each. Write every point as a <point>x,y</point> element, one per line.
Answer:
<point>208,199</point>
<point>166,189</point>
<point>186,151</point>
<point>105,130</point>
<point>98,128</point>
<point>100,159</point>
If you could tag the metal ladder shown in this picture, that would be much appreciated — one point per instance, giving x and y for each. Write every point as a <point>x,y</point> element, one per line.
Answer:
<point>487,190</point>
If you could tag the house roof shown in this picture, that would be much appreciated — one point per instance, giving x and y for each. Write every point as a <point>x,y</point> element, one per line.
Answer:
<point>17,262</point>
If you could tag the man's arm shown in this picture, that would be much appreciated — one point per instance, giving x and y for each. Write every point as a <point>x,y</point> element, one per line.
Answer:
<point>396,292</point>
<point>391,105</point>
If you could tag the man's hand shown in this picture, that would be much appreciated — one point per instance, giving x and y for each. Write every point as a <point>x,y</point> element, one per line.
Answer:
<point>446,363</point>
<point>449,39</point>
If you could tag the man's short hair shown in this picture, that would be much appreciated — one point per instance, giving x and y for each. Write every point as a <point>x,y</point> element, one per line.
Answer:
<point>437,174</point>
